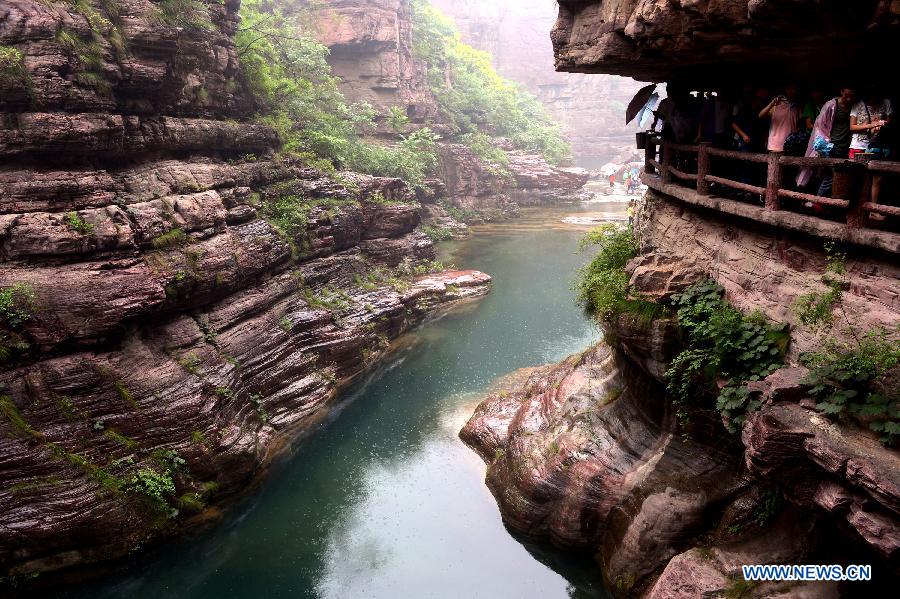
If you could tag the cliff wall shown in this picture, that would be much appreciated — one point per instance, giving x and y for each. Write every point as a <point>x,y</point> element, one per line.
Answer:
<point>371,52</point>
<point>591,110</point>
<point>161,341</point>
<point>711,41</point>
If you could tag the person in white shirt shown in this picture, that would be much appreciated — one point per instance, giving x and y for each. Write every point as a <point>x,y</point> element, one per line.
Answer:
<point>867,117</point>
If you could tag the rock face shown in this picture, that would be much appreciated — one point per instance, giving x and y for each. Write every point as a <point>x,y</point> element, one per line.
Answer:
<point>164,342</point>
<point>371,53</point>
<point>370,47</point>
<point>711,41</point>
<point>591,109</point>
<point>762,269</point>
<point>588,454</point>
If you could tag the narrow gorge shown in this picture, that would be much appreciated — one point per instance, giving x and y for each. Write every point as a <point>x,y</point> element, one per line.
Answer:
<point>284,283</point>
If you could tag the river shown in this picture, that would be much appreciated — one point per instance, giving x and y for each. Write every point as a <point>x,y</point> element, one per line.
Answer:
<point>382,499</point>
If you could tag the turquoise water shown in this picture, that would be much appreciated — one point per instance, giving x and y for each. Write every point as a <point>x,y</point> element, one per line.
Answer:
<point>383,500</point>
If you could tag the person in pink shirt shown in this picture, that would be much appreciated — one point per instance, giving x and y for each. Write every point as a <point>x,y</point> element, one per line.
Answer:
<point>784,113</point>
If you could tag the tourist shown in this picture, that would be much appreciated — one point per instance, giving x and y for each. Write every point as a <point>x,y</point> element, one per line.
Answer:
<point>867,119</point>
<point>784,115</point>
<point>812,108</point>
<point>715,114</point>
<point>832,126</point>
<point>630,212</point>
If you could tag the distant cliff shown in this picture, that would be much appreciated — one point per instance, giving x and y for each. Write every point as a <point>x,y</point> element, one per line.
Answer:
<point>590,109</point>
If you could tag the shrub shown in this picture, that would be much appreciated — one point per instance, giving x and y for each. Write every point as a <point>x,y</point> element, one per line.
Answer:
<point>158,488</point>
<point>852,381</point>
<point>17,304</point>
<point>12,67</point>
<point>602,287</point>
<point>79,224</point>
<point>190,14</point>
<point>436,233</point>
<point>723,349</point>
<point>816,310</point>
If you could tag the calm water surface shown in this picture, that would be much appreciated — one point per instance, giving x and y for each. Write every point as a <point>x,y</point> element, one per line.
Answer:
<point>383,500</point>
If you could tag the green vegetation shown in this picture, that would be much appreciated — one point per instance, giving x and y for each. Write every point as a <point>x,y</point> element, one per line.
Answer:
<point>191,363</point>
<point>17,305</point>
<point>10,411</point>
<point>463,215</point>
<point>768,507</point>
<point>12,67</point>
<point>723,349</point>
<point>125,395</point>
<point>816,310</point>
<point>288,75</point>
<point>79,224</point>
<point>472,97</point>
<point>336,300</point>
<point>853,381</point>
<point>155,487</point>
<point>602,287</point>
<point>437,233</point>
<point>172,238</point>
<point>189,14</point>
<point>123,440</point>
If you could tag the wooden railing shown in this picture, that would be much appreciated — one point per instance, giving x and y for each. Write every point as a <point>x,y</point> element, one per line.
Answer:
<point>855,197</point>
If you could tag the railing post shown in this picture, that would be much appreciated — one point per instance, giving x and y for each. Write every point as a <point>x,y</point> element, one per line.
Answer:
<point>856,216</point>
<point>773,180</point>
<point>702,168</point>
<point>666,174</point>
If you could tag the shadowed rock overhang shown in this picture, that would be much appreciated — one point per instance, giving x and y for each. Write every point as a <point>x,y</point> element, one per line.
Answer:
<point>706,40</point>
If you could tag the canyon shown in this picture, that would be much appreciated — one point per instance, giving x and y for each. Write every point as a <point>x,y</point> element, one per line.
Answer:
<point>165,338</point>
<point>186,308</point>
<point>589,108</point>
<point>592,453</point>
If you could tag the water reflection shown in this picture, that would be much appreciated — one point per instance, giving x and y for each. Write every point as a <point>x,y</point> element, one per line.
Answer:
<point>384,500</point>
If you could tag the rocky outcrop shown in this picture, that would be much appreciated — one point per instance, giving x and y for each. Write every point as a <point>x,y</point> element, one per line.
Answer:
<point>590,109</point>
<point>370,47</point>
<point>178,301</point>
<point>493,191</point>
<point>587,454</point>
<point>371,52</point>
<point>710,42</point>
<point>762,269</point>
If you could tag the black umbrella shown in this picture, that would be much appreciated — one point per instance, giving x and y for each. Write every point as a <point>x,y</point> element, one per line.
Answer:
<point>638,102</point>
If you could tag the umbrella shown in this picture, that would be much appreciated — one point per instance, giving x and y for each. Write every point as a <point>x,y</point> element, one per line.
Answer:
<point>643,116</point>
<point>639,101</point>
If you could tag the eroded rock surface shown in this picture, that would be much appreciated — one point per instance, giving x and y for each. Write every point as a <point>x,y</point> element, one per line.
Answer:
<point>173,341</point>
<point>709,40</point>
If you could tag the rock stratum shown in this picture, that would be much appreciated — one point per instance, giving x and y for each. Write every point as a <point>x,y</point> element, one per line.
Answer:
<point>165,342</point>
<point>371,52</point>
<point>588,454</point>
<point>714,41</point>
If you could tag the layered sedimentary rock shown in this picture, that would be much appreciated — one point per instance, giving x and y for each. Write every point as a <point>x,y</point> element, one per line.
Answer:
<point>588,453</point>
<point>161,340</point>
<point>591,109</point>
<point>371,53</point>
<point>711,41</point>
